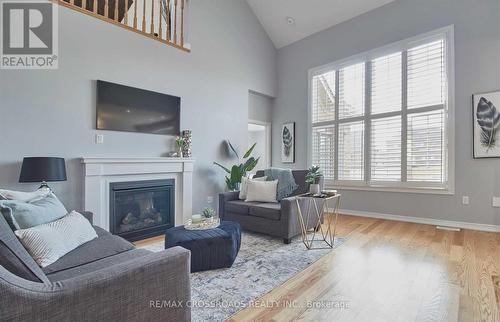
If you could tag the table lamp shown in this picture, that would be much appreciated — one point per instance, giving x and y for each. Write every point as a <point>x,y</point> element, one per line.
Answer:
<point>43,169</point>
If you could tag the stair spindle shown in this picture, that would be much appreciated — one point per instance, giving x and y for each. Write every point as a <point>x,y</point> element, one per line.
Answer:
<point>160,3</point>
<point>182,23</point>
<point>152,17</point>
<point>135,14</point>
<point>84,4</point>
<point>175,22</point>
<point>125,12</point>
<point>106,8</point>
<point>116,10</point>
<point>144,16</point>
<point>169,22</point>
<point>95,6</point>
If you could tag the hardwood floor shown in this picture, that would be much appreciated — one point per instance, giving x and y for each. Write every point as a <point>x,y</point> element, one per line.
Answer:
<point>152,240</point>
<point>391,271</point>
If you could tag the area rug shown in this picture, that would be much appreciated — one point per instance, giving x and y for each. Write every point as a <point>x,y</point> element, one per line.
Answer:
<point>263,263</point>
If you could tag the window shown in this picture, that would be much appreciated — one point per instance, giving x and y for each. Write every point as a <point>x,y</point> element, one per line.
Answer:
<point>380,119</point>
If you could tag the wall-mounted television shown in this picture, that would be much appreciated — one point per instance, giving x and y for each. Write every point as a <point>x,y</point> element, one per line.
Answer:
<point>124,108</point>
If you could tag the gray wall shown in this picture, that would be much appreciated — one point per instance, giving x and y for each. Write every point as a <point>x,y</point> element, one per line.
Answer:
<point>46,113</point>
<point>260,107</point>
<point>477,69</point>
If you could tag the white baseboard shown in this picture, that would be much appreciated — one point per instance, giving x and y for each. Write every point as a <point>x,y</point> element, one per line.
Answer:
<point>420,220</point>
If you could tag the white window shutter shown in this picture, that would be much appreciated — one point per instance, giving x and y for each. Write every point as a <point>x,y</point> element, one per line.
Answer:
<point>386,84</point>
<point>351,151</point>
<point>426,147</point>
<point>323,150</point>
<point>323,98</point>
<point>352,91</point>
<point>386,149</point>
<point>426,75</point>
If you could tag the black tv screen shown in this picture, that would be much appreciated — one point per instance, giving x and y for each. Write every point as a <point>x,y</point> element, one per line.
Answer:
<point>124,108</point>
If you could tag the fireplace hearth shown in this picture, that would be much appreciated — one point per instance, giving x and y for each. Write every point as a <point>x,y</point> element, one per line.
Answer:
<point>142,209</point>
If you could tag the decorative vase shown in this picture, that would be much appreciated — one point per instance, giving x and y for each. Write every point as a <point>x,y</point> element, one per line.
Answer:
<point>180,154</point>
<point>314,188</point>
<point>186,148</point>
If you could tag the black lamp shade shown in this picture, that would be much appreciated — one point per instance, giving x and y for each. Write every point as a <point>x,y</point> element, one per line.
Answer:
<point>40,169</point>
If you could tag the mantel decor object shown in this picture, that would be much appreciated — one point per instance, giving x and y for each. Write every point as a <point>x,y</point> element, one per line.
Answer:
<point>186,148</point>
<point>179,142</point>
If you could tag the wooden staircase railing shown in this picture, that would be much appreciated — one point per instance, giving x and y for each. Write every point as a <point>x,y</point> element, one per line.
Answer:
<point>161,20</point>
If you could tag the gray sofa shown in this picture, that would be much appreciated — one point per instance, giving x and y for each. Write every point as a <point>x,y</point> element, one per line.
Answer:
<point>106,279</point>
<point>275,219</point>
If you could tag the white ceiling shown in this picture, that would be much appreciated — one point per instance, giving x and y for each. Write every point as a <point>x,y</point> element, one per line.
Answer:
<point>310,16</point>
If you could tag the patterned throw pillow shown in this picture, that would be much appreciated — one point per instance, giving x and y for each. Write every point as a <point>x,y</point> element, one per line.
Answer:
<point>48,242</point>
<point>244,186</point>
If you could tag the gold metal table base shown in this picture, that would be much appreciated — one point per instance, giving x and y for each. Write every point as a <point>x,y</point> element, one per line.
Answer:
<point>328,234</point>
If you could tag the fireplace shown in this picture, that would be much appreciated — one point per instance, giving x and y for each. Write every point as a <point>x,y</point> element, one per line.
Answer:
<point>141,209</point>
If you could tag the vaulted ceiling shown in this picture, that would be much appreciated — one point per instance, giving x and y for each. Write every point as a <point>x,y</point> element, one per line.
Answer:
<point>308,16</point>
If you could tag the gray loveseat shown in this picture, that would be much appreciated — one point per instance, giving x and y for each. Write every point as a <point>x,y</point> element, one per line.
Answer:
<point>106,279</point>
<point>275,219</point>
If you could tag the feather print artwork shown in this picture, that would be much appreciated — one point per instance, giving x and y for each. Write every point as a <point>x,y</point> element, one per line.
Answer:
<point>287,141</point>
<point>488,119</point>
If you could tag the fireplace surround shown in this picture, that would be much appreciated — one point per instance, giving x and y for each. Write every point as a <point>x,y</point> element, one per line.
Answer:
<point>100,173</point>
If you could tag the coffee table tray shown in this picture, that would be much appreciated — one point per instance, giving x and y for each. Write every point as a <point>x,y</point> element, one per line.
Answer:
<point>203,225</point>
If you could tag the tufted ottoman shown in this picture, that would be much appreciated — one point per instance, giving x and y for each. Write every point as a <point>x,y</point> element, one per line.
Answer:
<point>211,248</point>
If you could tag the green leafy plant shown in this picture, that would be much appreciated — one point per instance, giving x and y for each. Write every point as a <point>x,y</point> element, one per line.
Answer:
<point>208,212</point>
<point>313,175</point>
<point>179,141</point>
<point>238,171</point>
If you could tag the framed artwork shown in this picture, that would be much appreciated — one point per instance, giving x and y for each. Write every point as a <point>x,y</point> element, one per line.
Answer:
<point>288,143</point>
<point>486,127</point>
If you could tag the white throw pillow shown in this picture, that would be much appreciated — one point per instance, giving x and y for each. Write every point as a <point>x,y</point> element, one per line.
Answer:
<point>24,196</point>
<point>263,191</point>
<point>244,185</point>
<point>48,242</point>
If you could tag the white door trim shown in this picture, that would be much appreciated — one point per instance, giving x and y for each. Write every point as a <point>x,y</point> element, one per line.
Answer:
<point>268,126</point>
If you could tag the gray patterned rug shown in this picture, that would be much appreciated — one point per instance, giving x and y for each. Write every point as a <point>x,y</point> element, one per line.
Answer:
<point>263,263</point>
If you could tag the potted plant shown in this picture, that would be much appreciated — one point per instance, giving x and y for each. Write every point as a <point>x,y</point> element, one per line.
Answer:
<point>312,177</point>
<point>238,171</point>
<point>208,212</point>
<point>180,142</point>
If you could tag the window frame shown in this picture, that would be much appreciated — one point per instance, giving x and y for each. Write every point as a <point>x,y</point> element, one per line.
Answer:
<point>448,187</point>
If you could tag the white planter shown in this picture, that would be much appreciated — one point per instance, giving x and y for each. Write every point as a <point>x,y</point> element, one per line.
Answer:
<point>314,188</point>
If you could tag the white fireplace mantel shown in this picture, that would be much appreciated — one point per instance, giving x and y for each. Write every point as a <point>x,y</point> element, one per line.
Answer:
<point>100,172</point>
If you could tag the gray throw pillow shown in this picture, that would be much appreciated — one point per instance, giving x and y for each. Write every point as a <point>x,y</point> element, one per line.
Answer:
<point>23,215</point>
